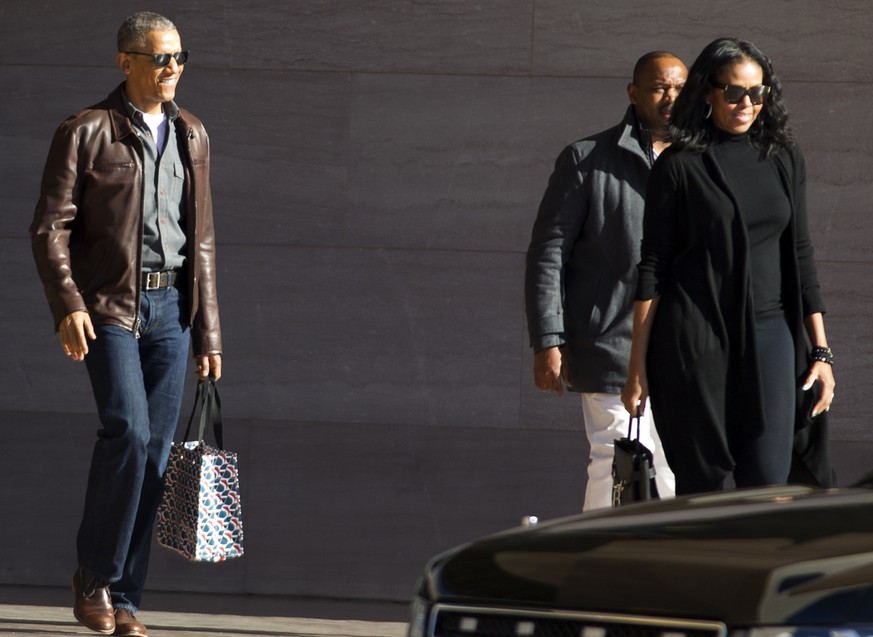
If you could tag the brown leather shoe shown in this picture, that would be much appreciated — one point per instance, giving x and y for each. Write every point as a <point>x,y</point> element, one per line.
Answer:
<point>127,625</point>
<point>92,605</point>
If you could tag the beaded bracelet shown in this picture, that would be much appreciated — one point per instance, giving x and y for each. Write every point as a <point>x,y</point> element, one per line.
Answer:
<point>823,354</point>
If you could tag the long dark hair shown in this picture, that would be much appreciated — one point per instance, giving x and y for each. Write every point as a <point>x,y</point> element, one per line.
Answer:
<point>689,127</point>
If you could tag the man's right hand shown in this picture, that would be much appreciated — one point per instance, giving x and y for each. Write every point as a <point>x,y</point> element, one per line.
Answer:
<point>549,372</point>
<point>73,330</point>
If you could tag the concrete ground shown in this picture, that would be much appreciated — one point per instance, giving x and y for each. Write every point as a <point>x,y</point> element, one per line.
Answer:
<point>44,612</point>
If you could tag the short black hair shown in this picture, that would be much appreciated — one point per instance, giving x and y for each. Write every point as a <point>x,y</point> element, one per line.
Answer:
<point>643,62</point>
<point>133,32</point>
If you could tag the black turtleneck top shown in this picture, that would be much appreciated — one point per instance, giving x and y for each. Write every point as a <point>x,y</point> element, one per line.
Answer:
<point>766,212</point>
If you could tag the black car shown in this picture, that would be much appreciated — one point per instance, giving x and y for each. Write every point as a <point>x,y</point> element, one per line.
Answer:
<point>777,562</point>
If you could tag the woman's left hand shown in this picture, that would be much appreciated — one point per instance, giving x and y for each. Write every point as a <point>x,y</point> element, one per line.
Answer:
<point>822,373</point>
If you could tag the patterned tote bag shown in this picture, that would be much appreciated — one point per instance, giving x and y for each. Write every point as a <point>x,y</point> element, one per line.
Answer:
<point>200,515</point>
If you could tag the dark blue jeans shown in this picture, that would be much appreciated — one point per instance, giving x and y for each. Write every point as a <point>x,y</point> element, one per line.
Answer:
<point>138,385</point>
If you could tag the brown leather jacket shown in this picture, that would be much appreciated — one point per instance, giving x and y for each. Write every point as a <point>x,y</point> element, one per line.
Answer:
<point>87,228</point>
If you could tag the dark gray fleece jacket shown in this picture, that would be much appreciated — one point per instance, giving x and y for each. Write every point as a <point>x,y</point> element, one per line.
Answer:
<point>581,270</point>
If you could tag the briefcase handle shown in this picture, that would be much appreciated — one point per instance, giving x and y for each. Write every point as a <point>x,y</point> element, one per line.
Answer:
<point>210,412</point>
<point>630,426</point>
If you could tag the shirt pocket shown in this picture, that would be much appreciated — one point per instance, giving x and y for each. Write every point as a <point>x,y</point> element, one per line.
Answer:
<point>177,183</point>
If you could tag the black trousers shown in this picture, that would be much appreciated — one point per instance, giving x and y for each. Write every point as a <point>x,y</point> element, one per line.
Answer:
<point>766,459</point>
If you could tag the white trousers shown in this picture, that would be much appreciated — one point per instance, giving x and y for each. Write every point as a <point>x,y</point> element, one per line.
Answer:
<point>605,420</point>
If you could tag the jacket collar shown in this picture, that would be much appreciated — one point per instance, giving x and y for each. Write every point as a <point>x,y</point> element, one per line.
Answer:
<point>634,138</point>
<point>120,114</point>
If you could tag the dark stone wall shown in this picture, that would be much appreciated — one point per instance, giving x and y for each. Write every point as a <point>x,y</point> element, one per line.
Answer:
<point>377,167</point>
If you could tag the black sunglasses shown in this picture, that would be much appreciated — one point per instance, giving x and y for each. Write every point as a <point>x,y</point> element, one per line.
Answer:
<point>734,94</point>
<point>163,59</point>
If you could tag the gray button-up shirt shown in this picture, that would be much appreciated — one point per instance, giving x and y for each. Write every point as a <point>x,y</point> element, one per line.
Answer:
<point>164,240</point>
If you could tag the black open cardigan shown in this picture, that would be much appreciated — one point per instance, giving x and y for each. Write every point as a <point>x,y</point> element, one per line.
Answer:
<point>702,370</point>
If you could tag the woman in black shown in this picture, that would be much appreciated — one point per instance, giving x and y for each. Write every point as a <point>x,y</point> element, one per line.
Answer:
<point>727,284</point>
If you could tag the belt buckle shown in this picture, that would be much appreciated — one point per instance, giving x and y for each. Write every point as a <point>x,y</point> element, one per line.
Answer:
<point>153,280</point>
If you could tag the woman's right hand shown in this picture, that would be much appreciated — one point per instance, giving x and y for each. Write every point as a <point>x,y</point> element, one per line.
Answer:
<point>636,388</point>
<point>635,393</point>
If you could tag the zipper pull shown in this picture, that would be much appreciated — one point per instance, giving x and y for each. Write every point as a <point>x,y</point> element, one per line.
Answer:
<point>136,329</point>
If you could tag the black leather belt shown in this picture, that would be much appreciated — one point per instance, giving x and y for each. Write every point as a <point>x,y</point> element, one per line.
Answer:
<point>159,280</point>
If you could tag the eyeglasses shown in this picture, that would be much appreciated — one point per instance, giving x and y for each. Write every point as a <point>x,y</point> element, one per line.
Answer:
<point>163,59</point>
<point>734,94</point>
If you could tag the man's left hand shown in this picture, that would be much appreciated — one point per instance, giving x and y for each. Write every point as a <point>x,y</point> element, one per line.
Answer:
<point>209,366</point>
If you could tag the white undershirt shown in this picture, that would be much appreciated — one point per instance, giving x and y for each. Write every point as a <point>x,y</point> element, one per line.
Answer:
<point>158,126</point>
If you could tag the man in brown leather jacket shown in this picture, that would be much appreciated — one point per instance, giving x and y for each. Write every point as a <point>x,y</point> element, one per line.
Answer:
<point>124,244</point>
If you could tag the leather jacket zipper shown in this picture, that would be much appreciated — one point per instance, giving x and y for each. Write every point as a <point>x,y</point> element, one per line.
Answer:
<point>137,324</point>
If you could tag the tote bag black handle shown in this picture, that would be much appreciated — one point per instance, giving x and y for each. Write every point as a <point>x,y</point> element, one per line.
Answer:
<point>210,412</point>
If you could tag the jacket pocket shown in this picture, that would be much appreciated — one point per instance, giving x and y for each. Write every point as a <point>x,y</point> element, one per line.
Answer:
<point>113,167</point>
<point>113,177</point>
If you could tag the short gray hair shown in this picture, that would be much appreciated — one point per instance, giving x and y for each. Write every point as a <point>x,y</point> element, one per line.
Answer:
<point>133,33</point>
